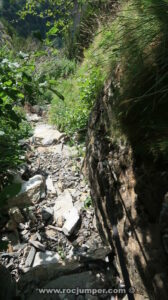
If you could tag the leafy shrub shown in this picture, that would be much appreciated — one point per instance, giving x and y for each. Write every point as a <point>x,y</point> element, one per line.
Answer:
<point>132,50</point>
<point>80,93</point>
<point>11,154</point>
<point>55,67</point>
<point>88,202</point>
<point>16,86</point>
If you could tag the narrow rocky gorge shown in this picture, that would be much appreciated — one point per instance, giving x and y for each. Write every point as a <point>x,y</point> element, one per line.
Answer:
<point>49,226</point>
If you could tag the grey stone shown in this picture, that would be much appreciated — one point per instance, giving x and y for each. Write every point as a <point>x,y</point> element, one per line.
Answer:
<point>36,109</point>
<point>25,231</point>
<point>38,236</point>
<point>37,245</point>
<point>16,215</point>
<point>50,186</point>
<point>47,213</point>
<point>63,205</point>
<point>72,219</point>
<point>31,192</point>
<point>32,216</point>
<point>48,141</point>
<point>44,258</point>
<point>19,247</point>
<point>21,226</point>
<point>32,118</point>
<point>45,131</point>
<point>30,257</point>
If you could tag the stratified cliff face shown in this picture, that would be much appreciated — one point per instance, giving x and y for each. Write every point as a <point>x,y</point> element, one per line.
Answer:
<point>127,196</point>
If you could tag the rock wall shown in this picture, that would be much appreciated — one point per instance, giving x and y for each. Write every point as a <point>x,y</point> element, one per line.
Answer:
<point>127,196</point>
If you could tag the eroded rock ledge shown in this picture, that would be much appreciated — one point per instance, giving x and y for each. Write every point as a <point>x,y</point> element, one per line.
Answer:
<point>127,197</point>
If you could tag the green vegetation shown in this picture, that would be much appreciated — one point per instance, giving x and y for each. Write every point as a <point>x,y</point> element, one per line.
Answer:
<point>139,35</point>
<point>88,202</point>
<point>16,86</point>
<point>80,92</point>
<point>132,49</point>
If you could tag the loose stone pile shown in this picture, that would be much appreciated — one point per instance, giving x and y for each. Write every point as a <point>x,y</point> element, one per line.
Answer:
<point>47,222</point>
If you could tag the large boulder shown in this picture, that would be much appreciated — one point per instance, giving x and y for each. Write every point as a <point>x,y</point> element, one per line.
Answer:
<point>30,193</point>
<point>45,258</point>
<point>32,118</point>
<point>47,134</point>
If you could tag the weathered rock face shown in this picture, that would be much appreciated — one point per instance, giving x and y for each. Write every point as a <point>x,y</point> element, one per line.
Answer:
<point>127,204</point>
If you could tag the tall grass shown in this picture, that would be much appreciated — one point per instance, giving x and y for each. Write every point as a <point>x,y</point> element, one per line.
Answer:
<point>132,49</point>
<point>142,101</point>
<point>80,92</point>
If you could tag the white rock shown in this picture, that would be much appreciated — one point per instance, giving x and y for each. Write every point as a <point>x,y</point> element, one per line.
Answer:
<point>47,132</point>
<point>44,258</point>
<point>63,205</point>
<point>50,186</point>
<point>48,141</point>
<point>41,131</point>
<point>31,192</point>
<point>72,219</point>
<point>30,257</point>
<point>32,118</point>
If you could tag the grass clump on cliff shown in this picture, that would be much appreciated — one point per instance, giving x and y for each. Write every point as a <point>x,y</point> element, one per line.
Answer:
<point>142,74</point>
<point>132,49</point>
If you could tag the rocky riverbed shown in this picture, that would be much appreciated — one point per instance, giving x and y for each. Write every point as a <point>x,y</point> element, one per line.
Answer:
<point>49,226</point>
